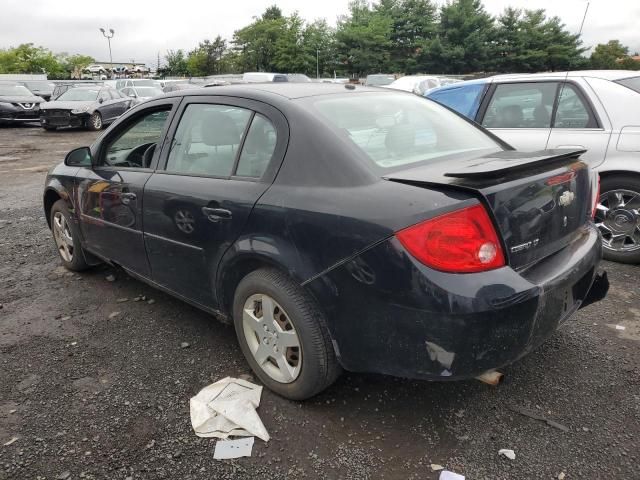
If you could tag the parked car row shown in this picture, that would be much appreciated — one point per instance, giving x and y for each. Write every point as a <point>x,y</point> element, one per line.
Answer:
<point>596,111</point>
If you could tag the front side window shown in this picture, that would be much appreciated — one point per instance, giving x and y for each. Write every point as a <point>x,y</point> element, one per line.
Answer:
<point>572,111</point>
<point>521,105</point>
<point>394,130</point>
<point>207,140</point>
<point>464,99</point>
<point>104,96</point>
<point>134,146</point>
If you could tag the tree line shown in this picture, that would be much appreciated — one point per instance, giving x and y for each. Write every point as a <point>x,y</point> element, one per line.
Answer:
<point>390,36</point>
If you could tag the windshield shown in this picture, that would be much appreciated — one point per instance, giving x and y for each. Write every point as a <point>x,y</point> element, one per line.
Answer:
<point>148,91</point>
<point>633,83</point>
<point>145,83</point>
<point>78,95</point>
<point>15,91</point>
<point>378,80</point>
<point>42,86</point>
<point>395,130</point>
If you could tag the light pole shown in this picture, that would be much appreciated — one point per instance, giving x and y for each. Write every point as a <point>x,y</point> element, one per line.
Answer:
<point>317,63</point>
<point>108,36</point>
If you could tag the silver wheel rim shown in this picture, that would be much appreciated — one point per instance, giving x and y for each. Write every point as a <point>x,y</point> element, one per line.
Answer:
<point>618,219</point>
<point>97,121</point>
<point>271,338</point>
<point>62,236</point>
<point>184,221</point>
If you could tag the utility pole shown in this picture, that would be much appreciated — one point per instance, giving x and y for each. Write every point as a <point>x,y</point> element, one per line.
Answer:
<point>158,66</point>
<point>108,36</point>
<point>317,63</point>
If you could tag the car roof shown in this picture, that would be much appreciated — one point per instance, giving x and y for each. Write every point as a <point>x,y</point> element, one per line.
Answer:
<point>284,90</point>
<point>604,74</point>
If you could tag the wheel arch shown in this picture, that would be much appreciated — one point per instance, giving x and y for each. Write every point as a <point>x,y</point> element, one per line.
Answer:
<point>52,194</point>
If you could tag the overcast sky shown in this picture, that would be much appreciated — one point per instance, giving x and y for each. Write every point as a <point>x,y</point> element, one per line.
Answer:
<point>144,28</point>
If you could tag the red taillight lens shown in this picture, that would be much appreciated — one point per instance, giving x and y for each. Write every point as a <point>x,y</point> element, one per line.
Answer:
<point>463,241</point>
<point>596,199</point>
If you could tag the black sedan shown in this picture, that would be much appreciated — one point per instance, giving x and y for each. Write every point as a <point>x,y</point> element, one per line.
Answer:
<point>337,227</point>
<point>18,105</point>
<point>89,107</point>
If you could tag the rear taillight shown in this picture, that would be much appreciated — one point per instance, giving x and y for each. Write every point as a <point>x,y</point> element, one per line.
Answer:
<point>596,200</point>
<point>463,241</point>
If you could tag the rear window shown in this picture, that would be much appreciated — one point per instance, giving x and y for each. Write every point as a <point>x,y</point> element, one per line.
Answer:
<point>633,83</point>
<point>395,130</point>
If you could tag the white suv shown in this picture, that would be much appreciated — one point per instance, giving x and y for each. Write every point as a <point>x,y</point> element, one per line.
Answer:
<point>595,110</point>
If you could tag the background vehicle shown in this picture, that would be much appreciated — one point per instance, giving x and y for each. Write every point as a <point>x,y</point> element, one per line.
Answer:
<point>18,104</point>
<point>175,86</point>
<point>419,84</point>
<point>379,80</point>
<point>336,205</point>
<point>141,93</point>
<point>62,87</point>
<point>298,78</point>
<point>595,110</point>
<point>89,107</point>
<point>262,77</point>
<point>40,88</point>
<point>133,82</point>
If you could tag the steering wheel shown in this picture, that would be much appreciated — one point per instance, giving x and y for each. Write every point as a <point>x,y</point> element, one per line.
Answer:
<point>139,154</point>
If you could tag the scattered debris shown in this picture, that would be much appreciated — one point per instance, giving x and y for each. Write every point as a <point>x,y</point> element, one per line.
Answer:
<point>122,300</point>
<point>506,452</point>
<point>447,475</point>
<point>137,299</point>
<point>185,345</point>
<point>620,327</point>
<point>436,468</point>
<point>491,377</point>
<point>227,408</point>
<point>151,301</point>
<point>110,278</point>
<point>65,318</point>
<point>535,416</point>
<point>10,441</point>
<point>561,476</point>
<point>13,411</point>
<point>114,314</point>
<point>233,448</point>
<point>64,475</point>
<point>73,344</point>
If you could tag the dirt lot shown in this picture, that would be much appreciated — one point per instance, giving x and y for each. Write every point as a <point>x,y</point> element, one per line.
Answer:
<point>94,397</point>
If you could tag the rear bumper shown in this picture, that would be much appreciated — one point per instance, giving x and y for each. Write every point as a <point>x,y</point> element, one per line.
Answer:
<point>390,314</point>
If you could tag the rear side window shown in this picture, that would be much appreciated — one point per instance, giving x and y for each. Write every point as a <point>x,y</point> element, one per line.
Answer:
<point>258,148</point>
<point>633,83</point>
<point>521,105</point>
<point>207,140</point>
<point>394,130</point>
<point>572,112</point>
<point>464,100</point>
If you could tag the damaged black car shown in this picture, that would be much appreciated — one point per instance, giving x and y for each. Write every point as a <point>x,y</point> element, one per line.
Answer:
<point>337,227</point>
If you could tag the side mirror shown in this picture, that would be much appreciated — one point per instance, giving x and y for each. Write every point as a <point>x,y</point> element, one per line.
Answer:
<point>79,157</point>
<point>100,100</point>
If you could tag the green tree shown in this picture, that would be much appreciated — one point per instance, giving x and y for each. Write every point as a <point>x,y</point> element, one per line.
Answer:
<point>607,55</point>
<point>176,64</point>
<point>27,58</point>
<point>73,64</point>
<point>363,39</point>
<point>207,58</point>
<point>256,43</point>
<point>319,45</point>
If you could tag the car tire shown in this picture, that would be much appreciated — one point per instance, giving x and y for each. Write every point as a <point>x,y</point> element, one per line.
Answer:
<point>95,121</point>
<point>625,221</point>
<point>66,238</point>
<point>312,365</point>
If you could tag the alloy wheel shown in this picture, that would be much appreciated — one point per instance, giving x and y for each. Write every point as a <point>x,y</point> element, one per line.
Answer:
<point>272,338</point>
<point>618,219</point>
<point>96,121</point>
<point>62,236</point>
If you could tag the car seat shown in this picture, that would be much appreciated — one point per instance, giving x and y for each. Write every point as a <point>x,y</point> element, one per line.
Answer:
<point>217,130</point>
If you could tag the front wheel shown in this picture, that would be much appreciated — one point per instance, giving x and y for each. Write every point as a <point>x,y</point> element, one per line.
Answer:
<point>95,121</point>
<point>283,335</point>
<point>65,235</point>
<point>618,218</point>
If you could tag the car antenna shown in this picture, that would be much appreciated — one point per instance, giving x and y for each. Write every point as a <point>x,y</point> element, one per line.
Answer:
<point>566,77</point>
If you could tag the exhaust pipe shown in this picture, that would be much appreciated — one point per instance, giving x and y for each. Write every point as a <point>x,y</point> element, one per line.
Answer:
<point>491,377</point>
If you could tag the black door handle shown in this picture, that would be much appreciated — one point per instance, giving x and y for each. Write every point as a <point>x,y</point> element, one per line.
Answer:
<point>216,214</point>
<point>127,197</point>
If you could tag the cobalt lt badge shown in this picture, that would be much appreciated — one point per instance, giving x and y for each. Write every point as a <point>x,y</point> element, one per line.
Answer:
<point>566,198</point>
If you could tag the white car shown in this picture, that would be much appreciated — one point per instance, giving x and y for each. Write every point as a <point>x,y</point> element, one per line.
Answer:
<point>419,84</point>
<point>598,111</point>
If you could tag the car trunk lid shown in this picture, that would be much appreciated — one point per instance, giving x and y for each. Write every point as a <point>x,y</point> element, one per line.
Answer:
<point>539,200</point>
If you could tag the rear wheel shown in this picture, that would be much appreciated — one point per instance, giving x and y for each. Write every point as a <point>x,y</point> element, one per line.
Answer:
<point>283,335</point>
<point>95,121</point>
<point>618,218</point>
<point>65,235</point>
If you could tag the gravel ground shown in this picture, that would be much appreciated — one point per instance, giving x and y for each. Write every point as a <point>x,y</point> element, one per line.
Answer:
<point>89,394</point>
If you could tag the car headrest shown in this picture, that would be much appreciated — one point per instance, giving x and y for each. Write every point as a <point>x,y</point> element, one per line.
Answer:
<point>218,128</point>
<point>400,139</point>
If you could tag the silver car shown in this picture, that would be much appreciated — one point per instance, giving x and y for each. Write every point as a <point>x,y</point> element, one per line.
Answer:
<point>595,110</point>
